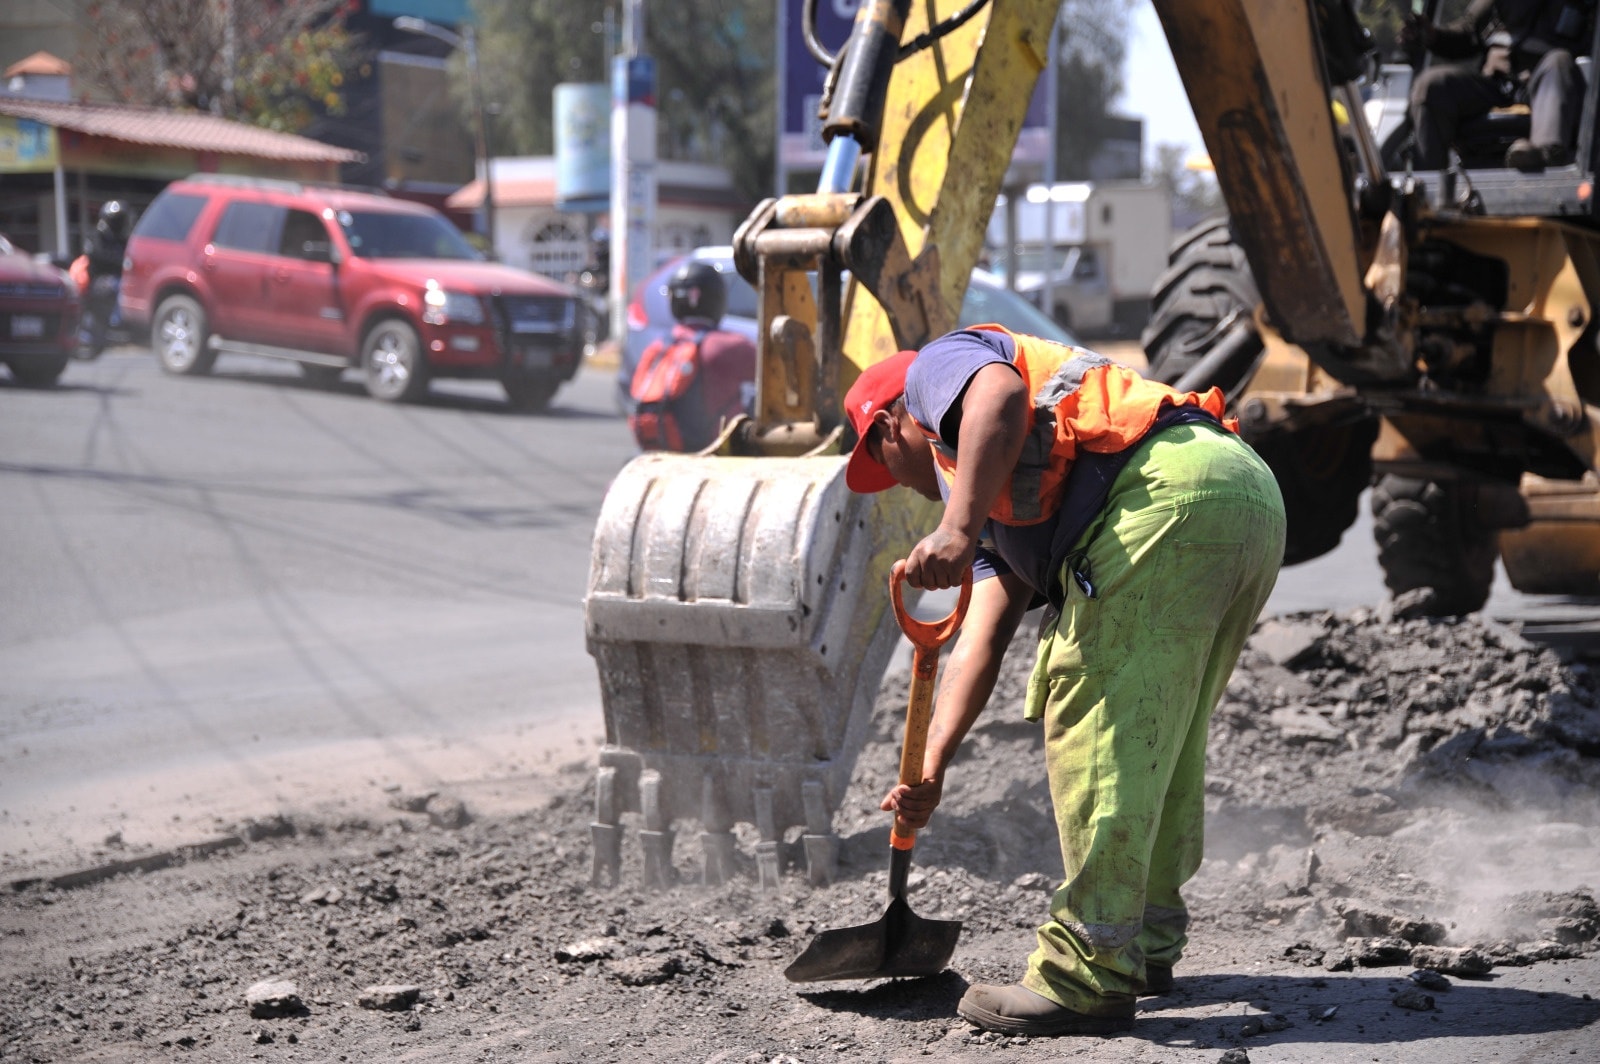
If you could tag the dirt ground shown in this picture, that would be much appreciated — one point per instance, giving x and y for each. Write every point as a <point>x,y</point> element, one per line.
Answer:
<point>1383,793</point>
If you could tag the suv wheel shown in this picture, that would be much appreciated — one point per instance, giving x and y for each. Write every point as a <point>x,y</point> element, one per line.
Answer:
<point>178,334</point>
<point>391,357</point>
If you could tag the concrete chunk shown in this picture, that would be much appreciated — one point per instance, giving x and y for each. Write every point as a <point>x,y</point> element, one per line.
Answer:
<point>273,997</point>
<point>1452,961</point>
<point>389,998</point>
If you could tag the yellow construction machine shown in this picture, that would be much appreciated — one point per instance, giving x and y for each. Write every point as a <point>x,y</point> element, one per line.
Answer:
<point>1420,326</point>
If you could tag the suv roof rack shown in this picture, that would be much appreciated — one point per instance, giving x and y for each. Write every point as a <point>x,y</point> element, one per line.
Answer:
<point>279,184</point>
<point>244,181</point>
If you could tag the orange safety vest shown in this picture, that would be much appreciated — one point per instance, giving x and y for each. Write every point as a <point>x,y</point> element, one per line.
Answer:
<point>1080,401</point>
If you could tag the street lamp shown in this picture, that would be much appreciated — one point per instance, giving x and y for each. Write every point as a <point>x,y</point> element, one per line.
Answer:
<point>468,42</point>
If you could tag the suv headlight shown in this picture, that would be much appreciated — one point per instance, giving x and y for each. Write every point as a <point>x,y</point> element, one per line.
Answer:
<point>442,306</point>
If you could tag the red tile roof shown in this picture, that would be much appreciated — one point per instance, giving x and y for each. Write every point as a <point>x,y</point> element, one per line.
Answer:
<point>188,130</point>
<point>508,192</point>
<point>39,63</point>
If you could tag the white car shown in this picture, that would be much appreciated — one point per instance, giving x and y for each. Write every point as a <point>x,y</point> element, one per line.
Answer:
<point>1081,298</point>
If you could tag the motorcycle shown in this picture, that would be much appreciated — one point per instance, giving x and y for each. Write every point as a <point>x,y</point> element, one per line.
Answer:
<point>100,325</point>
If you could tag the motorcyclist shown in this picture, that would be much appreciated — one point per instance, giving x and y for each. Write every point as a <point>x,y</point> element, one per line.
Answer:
<point>692,381</point>
<point>1155,534</point>
<point>103,253</point>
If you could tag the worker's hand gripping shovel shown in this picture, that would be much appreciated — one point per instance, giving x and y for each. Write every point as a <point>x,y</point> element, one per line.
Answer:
<point>899,943</point>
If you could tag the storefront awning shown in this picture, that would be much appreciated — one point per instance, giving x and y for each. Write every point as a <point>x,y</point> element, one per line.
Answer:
<point>183,130</point>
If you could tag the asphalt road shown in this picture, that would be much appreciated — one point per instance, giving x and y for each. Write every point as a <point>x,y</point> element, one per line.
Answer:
<point>229,595</point>
<point>219,591</point>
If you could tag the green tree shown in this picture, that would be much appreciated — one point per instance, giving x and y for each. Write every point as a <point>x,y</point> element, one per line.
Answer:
<point>717,86</point>
<point>714,75</point>
<point>525,49</point>
<point>275,63</point>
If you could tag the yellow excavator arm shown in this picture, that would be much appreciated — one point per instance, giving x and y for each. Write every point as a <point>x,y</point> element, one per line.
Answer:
<point>1254,73</point>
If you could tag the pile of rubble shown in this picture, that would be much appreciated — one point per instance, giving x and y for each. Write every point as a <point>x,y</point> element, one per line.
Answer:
<point>1422,792</point>
<point>1360,701</point>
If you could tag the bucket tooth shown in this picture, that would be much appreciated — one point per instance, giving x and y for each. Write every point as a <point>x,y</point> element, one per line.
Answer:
<point>821,844</point>
<point>717,850</point>
<point>768,869</point>
<point>822,858</point>
<point>768,866</point>
<point>607,870</point>
<point>655,838</point>
<point>606,832</point>
<point>716,838</point>
<point>657,850</point>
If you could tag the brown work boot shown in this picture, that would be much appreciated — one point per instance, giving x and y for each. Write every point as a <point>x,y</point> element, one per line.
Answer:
<point>1525,155</point>
<point>1157,980</point>
<point>1015,1009</point>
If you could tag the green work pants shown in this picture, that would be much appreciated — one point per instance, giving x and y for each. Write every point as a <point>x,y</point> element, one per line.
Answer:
<point>1181,561</point>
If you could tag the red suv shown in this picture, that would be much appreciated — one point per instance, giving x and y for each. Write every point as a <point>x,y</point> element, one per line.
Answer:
<point>334,278</point>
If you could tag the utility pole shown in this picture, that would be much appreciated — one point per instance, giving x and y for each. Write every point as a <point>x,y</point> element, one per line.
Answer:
<point>633,165</point>
<point>485,152</point>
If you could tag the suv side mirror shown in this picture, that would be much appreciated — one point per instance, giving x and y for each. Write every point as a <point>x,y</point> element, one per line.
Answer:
<point>319,251</point>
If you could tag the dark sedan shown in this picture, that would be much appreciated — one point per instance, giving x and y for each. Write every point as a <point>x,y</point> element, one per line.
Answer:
<point>39,308</point>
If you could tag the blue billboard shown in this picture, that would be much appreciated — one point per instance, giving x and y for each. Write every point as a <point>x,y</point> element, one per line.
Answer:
<point>800,144</point>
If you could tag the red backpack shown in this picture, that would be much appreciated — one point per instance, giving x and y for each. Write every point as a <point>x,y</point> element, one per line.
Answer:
<point>669,408</point>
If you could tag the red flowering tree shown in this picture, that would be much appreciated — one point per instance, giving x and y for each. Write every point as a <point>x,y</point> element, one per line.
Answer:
<point>274,63</point>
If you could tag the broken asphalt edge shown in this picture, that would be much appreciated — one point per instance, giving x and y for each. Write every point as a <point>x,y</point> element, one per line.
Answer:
<point>150,862</point>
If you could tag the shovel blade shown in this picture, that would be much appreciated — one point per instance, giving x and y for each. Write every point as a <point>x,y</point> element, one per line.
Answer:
<point>899,944</point>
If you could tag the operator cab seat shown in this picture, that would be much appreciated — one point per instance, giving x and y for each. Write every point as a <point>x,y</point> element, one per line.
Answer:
<point>1482,142</point>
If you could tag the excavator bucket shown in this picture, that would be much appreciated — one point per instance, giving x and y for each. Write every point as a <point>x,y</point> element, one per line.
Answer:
<point>737,615</point>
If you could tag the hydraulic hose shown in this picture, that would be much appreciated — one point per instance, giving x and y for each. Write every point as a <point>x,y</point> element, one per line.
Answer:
<point>865,67</point>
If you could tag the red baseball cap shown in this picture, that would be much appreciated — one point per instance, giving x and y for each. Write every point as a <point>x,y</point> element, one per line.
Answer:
<point>879,385</point>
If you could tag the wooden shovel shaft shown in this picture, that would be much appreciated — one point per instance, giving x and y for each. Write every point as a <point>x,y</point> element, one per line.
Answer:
<point>926,639</point>
<point>919,716</point>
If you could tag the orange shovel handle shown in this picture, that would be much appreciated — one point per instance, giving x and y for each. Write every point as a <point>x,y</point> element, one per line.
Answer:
<point>926,638</point>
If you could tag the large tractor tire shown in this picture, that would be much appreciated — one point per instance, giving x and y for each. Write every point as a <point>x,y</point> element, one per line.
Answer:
<point>1430,540</point>
<point>1207,286</point>
<point>1205,293</point>
<point>1322,473</point>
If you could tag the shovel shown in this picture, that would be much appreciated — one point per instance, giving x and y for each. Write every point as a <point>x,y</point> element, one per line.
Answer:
<point>899,943</point>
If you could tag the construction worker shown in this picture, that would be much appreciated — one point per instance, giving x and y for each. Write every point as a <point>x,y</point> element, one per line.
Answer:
<point>692,381</point>
<point>1154,534</point>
